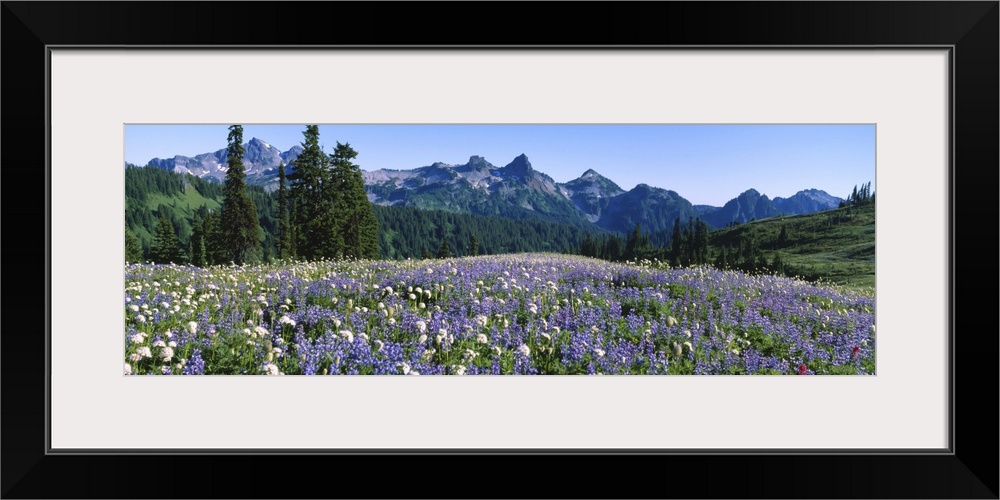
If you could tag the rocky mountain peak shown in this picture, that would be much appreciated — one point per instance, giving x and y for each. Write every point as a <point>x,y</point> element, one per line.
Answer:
<point>519,167</point>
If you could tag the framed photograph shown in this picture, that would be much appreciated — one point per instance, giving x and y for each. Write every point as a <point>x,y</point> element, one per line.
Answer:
<point>654,325</point>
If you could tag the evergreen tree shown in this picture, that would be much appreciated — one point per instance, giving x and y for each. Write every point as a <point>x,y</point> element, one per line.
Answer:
<point>357,223</point>
<point>284,222</point>
<point>474,245</point>
<point>133,249</point>
<point>240,224</point>
<point>215,247</point>
<point>783,236</point>
<point>426,255</point>
<point>199,257</point>
<point>700,241</point>
<point>675,244</point>
<point>444,251</point>
<point>588,248</point>
<point>777,266</point>
<point>612,248</point>
<point>632,244</point>
<point>315,199</point>
<point>689,244</point>
<point>720,260</point>
<point>166,247</point>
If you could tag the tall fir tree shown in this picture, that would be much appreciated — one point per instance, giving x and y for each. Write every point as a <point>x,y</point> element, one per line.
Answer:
<point>675,244</point>
<point>356,220</point>
<point>284,222</point>
<point>474,245</point>
<point>166,248</point>
<point>633,242</point>
<point>215,248</point>
<point>701,241</point>
<point>444,251</point>
<point>133,249</point>
<point>240,224</point>
<point>315,199</point>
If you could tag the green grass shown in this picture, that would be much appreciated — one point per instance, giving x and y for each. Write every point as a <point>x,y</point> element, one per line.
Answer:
<point>835,246</point>
<point>187,203</point>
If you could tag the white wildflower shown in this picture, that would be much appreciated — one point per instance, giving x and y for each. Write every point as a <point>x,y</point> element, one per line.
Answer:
<point>421,326</point>
<point>167,353</point>
<point>482,339</point>
<point>524,349</point>
<point>271,369</point>
<point>159,343</point>
<point>128,368</point>
<point>347,335</point>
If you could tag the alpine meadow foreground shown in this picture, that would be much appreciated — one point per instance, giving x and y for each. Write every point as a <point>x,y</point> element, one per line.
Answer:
<point>505,314</point>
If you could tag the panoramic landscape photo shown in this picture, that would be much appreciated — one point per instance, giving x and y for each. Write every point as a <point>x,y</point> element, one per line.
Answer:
<point>443,250</point>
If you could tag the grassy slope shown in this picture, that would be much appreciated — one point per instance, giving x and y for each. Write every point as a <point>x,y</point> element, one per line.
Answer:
<point>836,245</point>
<point>187,203</point>
<point>191,198</point>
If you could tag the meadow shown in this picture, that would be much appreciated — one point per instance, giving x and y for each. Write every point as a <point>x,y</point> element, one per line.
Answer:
<point>495,315</point>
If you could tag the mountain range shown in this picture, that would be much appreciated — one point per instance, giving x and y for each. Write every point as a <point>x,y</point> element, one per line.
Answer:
<point>516,190</point>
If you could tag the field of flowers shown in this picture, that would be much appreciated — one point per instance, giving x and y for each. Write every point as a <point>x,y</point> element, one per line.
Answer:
<point>510,314</point>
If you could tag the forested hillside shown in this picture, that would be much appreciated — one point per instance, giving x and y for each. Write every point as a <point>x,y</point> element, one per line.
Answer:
<point>404,232</point>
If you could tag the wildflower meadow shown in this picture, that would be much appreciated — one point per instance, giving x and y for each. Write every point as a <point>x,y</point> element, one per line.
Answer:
<point>523,314</point>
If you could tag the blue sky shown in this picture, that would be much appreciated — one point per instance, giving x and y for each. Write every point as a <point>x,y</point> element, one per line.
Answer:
<point>707,164</point>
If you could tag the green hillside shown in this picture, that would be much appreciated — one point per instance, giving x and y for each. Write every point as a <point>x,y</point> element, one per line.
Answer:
<point>836,245</point>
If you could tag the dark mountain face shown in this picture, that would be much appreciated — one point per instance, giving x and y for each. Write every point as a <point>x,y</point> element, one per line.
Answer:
<point>807,201</point>
<point>749,205</point>
<point>591,193</point>
<point>653,208</point>
<point>515,190</point>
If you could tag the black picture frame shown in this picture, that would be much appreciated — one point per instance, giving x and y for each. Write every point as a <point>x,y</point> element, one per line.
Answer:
<point>968,470</point>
